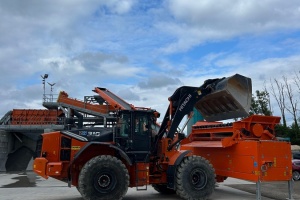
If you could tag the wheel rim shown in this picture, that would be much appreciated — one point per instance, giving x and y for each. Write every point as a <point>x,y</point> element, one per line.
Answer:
<point>105,181</point>
<point>296,175</point>
<point>198,179</point>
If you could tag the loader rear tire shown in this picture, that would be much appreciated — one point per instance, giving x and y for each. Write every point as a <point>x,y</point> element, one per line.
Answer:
<point>195,178</point>
<point>103,177</point>
<point>162,189</point>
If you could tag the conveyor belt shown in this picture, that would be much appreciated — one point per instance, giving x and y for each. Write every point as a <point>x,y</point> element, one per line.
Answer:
<point>113,99</point>
<point>6,118</point>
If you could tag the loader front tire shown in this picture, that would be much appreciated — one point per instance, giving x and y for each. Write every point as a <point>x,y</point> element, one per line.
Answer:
<point>103,177</point>
<point>195,178</point>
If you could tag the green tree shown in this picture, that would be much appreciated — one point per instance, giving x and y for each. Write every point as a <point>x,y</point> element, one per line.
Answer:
<point>287,132</point>
<point>260,103</point>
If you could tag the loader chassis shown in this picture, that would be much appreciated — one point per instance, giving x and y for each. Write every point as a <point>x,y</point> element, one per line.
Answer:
<point>103,162</point>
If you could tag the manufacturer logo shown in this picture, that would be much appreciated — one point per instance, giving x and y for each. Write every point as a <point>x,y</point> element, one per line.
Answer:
<point>86,133</point>
<point>187,99</point>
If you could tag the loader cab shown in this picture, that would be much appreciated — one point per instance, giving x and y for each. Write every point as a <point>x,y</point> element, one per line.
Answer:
<point>133,133</point>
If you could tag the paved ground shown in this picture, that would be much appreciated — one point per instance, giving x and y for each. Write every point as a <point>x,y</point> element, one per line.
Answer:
<point>273,190</point>
<point>30,187</point>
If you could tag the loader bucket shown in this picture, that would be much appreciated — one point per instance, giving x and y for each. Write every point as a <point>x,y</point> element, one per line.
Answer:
<point>231,98</point>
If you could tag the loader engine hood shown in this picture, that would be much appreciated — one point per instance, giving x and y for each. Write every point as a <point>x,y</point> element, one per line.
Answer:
<point>230,98</point>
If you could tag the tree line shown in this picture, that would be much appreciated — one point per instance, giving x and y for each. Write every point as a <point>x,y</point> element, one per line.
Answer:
<point>286,93</point>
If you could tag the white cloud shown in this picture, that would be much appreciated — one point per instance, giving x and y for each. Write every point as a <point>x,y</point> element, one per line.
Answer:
<point>63,65</point>
<point>158,45</point>
<point>199,21</point>
<point>232,61</point>
<point>254,16</point>
<point>117,70</point>
<point>129,94</point>
<point>120,7</point>
<point>159,81</point>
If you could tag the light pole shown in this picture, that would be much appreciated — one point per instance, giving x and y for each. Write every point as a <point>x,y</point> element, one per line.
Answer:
<point>44,78</point>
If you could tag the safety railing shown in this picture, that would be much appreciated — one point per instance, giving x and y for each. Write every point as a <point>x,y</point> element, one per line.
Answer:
<point>50,97</point>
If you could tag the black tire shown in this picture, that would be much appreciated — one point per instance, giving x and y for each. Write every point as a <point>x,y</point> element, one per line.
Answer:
<point>195,178</point>
<point>296,175</point>
<point>103,178</point>
<point>163,189</point>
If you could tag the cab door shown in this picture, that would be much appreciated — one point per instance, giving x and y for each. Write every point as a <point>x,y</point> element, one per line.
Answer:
<point>141,137</point>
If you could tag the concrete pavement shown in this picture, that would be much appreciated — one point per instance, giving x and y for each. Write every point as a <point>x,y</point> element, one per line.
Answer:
<point>30,187</point>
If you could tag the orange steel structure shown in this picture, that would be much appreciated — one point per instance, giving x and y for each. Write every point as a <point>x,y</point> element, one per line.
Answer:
<point>34,116</point>
<point>247,149</point>
<point>109,102</point>
<point>52,116</point>
<point>116,102</point>
<point>63,97</point>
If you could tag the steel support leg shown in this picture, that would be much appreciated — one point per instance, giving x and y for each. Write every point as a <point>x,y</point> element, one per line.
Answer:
<point>291,189</point>
<point>258,190</point>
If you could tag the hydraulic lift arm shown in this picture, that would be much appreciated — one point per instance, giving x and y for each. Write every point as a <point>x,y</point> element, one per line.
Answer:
<point>216,99</point>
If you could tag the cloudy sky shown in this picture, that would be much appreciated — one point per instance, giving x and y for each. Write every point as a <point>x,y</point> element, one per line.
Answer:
<point>141,50</point>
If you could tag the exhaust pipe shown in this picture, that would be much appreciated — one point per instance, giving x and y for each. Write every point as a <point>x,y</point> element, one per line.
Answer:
<point>230,98</point>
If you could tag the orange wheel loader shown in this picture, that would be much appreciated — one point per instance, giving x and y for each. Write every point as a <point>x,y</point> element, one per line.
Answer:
<point>103,162</point>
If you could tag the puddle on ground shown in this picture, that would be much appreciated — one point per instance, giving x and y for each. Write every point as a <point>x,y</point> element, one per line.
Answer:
<point>27,179</point>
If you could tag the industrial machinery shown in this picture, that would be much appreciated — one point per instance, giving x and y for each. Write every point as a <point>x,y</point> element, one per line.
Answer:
<point>20,128</point>
<point>102,162</point>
